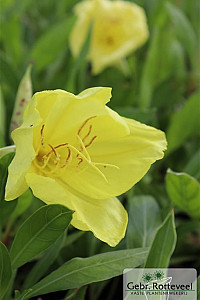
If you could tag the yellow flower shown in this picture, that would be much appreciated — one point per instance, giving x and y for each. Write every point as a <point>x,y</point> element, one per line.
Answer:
<point>118,28</point>
<point>76,151</point>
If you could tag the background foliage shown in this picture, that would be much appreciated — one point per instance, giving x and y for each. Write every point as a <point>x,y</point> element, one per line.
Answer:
<point>160,89</point>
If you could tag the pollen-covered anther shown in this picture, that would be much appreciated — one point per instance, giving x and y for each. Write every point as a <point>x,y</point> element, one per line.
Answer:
<point>83,125</point>
<point>41,135</point>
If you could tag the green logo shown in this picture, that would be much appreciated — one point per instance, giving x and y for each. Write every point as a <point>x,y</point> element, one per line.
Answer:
<point>148,277</point>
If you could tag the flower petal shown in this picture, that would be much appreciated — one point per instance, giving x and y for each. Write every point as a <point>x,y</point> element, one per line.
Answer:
<point>25,153</point>
<point>119,28</point>
<point>107,219</point>
<point>132,154</point>
<point>67,116</point>
<point>84,10</point>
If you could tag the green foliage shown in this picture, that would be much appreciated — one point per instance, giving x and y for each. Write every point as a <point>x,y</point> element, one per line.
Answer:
<point>163,244</point>
<point>5,270</point>
<point>2,120</point>
<point>142,224</point>
<point>81,271</point>
<point>6,208</point>
<point>161,88</point>
<point>41,267</point>
<point>184,30</point>
<point>185,123</point>
<point>38,232</point>
<point>48,47</point>
<point>184,191</point>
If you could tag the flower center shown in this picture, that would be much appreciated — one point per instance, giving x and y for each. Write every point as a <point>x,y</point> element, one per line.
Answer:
<point>51,160</point>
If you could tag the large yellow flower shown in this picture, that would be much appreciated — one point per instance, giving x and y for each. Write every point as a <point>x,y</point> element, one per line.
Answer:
<point>76,151</point>
<point>118,28</point>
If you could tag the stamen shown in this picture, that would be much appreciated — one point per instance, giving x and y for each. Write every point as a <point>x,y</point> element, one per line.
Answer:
<point>84,123</point>
<point>80,161</point>
<point>53,149</point>
<point>106,165</point>
<point>67,159</point>
<point>89,131</point>
<point>61,145</point>
<point>83,148</point>
<point>100,173</point>
<point>41,135</point>
<point>94,137</point>
<point>45,163</point>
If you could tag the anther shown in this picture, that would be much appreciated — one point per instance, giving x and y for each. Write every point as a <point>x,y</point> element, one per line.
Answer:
<point>41,134</point>
<point>53,149</point>
<point>84,123</point>
<point>91,141</point>
<point>89,131</point>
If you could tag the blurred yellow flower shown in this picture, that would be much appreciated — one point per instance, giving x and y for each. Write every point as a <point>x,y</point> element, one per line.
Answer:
<point>118,28</point>
<point>76,151</point>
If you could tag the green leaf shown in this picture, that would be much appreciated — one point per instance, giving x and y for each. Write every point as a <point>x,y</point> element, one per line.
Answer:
<point>8,74</point>
<point>81,271</point>
<point>5,270</point>
<point>38,232</point>
<point>6,208</point>
<point>183,29</point>
<point>44,263</point>
<point>149,70</point>
<point>23,203</point>
<point>184,191</point>
<point>2,118</point>
<point>144,219</point>
<point>193,166</point>
<point>77,294</point>
<point>24,94</point>
<point>79,62</point>
<point>163,244</point>
<point>184,123</point>
<point>51,43</point>
<point>4,163</point>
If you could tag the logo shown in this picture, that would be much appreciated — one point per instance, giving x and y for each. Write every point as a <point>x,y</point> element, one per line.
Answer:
<point>160,284</point>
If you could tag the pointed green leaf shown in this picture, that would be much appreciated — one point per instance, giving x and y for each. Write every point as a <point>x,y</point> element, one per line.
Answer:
<point>81,271</point>
<point>4,163</point>
<point>2,119</point>
<point>184,191</point>
<point>184,123</point>
<point>38,232</point>
<point>149,70</point>
<point>51,43</point>
<point>5,270</point>
<point>6,208</point>
<point>183,29</point>
<point>23,203</point>
<point>193,166</point>
<point>23,96</point>
<point>44,263</point>
<point>163,244</point>
<point>144,219</point>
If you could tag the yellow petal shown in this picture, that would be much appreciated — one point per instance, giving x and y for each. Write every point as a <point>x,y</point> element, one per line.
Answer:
<point>25,153</point>
<point>84,10</point>
<point>119,28</point>
<point>68,113</point>
<point>133,155</point>
<point>107,219</point>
